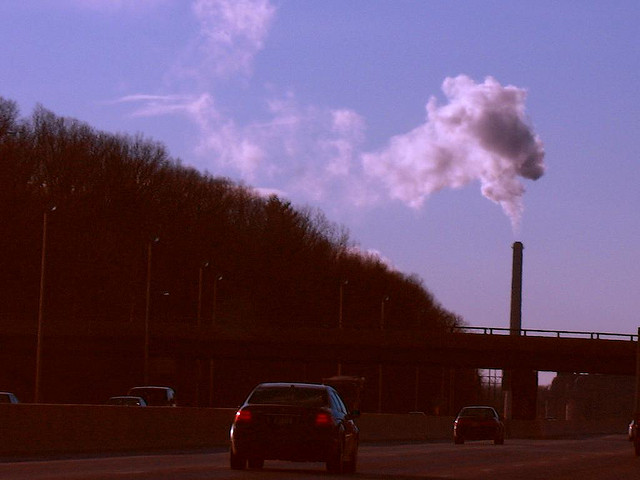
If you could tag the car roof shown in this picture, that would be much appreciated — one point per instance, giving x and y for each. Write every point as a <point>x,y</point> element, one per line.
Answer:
<point>319,386</point>
<point>150,387</point>
<point>478,407</point>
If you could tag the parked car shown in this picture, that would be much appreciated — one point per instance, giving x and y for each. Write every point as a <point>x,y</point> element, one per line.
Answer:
<point>155,396</point>
<point>8,397</point>
<point>478,423</point>
<point>127,401</point>
<point>299,422</point>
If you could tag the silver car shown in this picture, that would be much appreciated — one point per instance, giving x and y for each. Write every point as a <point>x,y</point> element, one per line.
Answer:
<point>8,397</point>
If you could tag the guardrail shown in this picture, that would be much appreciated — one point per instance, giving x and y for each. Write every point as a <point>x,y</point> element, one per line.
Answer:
<point>545,333</point>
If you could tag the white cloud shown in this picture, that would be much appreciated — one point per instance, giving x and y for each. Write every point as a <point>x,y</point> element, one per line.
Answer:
<point>303,149</point>
<point>155,105</point>
<point>481,134</point>
<point>307,148</point>
<point>231,33</point>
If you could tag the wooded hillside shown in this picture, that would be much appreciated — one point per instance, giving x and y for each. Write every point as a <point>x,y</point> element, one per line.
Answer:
<point>218,248</point>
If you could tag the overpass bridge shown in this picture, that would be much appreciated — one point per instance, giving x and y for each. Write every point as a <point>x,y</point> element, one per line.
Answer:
<point>192,355</point>
<point>473,347</point>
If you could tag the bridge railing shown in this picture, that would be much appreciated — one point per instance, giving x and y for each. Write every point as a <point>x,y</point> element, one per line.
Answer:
<point>533,332</point>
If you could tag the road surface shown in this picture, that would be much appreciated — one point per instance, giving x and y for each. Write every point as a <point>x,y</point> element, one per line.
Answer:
<point>601,458</point>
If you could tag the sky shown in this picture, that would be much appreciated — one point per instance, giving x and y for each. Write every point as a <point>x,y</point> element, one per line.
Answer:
<point>437,132</point>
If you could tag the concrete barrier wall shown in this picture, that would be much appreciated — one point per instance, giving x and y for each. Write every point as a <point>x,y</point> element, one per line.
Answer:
<point>410,427</point>
<point>27,429</point>
<point>549,429</point>
<point>50,429</point>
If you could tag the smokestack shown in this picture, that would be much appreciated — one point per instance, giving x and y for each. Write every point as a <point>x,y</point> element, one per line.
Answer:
<point>516,290</point>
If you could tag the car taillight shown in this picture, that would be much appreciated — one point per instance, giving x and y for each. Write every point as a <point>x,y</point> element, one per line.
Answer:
<point>323,419</point>
<point>243,416</point>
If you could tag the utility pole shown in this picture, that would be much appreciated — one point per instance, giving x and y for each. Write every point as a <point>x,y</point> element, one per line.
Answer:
<point>43,262</point>
<point>147,310</point>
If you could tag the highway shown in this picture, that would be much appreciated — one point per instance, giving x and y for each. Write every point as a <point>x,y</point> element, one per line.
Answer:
<point>595,458</point>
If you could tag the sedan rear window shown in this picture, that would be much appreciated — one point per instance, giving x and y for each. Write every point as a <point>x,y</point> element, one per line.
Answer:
<point>308,397</point>
<point>477,412</point>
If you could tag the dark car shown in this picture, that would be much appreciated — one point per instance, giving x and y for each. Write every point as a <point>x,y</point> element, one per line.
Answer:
<point>155,396</point>
<point>127,401</point>
<point>478,423</point>
<point>8,397</point>
<point>299,422</point>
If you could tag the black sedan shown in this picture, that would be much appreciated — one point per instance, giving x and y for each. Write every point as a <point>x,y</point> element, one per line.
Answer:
<point>298,422</point>
<point>478,423</point>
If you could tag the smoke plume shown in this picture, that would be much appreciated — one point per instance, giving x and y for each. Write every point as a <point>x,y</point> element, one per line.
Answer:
<point>481,134</point>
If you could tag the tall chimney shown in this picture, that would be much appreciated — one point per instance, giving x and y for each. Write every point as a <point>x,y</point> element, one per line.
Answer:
<point>516,290</point>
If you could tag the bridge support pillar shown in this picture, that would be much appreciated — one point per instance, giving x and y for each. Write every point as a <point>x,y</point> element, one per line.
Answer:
<point>520,388</point>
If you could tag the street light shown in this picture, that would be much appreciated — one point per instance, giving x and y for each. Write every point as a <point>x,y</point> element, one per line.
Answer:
<point>148,310</point>
<point>36,395</point>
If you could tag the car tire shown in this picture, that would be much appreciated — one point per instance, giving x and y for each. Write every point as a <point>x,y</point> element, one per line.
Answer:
<point>349,466</point>
<point>256,463</point>
<point>237,461</point>
<point>334,462</point>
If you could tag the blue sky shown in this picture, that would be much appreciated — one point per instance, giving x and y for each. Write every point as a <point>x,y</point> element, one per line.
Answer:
<point>383,114</point>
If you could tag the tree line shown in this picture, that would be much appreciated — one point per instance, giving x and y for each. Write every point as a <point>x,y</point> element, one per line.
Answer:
<point>219,251</point>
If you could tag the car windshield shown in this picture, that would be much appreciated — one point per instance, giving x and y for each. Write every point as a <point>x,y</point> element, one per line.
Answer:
<point>124,401</point>
<point>477,412</point>
<point>289,395</point>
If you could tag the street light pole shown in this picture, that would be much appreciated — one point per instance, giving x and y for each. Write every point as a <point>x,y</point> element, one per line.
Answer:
<point>202,267</point>
<point>340,318</point>
<point>340,323</point>
<point>147,311</point>
<point>215,298</point>
<point>385,299</point>
<point>36,395</point>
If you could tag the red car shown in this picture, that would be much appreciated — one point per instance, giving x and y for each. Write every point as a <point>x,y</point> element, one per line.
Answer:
<point>478,423</point>
<point>299,422</point>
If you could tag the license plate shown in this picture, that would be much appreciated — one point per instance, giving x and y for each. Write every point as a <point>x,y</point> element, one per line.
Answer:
<point>282,420</point>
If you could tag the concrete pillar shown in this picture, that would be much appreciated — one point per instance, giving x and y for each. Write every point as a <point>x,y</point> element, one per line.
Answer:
<point>524,392</point>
